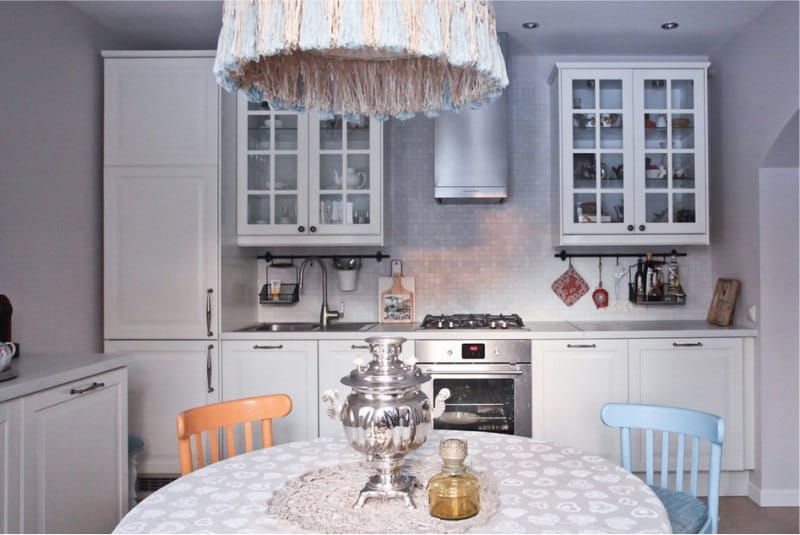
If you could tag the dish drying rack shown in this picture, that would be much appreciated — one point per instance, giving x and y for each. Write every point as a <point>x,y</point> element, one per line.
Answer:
<point>289,291</point>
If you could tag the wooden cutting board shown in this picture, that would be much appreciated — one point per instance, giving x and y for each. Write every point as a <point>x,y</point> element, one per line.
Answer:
<point>396,299</point>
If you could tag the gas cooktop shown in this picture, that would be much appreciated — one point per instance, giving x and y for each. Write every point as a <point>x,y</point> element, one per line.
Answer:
<point>472,321</point>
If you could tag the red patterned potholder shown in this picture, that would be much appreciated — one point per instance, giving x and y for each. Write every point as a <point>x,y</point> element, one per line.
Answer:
<point>570,286</point>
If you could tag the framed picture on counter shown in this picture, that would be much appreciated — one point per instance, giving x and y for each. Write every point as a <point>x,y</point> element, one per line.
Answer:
<point>723,302</point>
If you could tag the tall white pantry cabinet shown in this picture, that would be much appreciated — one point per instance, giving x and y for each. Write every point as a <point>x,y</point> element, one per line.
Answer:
<point>161,238</point>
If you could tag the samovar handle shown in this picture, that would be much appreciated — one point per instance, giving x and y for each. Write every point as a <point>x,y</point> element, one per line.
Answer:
<point>331,397</point>
<point>439,402</point>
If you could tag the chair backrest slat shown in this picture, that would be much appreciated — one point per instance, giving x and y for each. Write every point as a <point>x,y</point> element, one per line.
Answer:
<point>679,462</point>
<point>681,422</point>
<point>213,418</point>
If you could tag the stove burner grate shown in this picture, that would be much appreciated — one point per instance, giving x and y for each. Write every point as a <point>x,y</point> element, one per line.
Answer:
<point>472,321</point>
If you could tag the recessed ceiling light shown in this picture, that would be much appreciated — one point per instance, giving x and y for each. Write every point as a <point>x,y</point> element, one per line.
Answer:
<point>669,25</point>
<point>530,25</point>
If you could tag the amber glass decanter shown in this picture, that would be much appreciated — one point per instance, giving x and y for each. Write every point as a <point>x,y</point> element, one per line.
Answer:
<point>453,492</point>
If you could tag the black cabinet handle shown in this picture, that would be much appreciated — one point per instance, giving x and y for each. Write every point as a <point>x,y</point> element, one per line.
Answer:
<point>630,228</point>
<point>208,368</point>
<point>279,346</point>
<point>208,312</point>
<point>687,344</point>
<point>641,227</point>
<point>94,386</point>
<point>301,228</point>
<point>581,346</point>
<point>312,228</point>
<point>354,346</point>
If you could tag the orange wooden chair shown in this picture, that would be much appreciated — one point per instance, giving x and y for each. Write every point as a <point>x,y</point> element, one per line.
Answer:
<point>193,423</point>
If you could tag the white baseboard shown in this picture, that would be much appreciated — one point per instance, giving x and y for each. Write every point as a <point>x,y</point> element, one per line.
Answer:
<point>774,497</point>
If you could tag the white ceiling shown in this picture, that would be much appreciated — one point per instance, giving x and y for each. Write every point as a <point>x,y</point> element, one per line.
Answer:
<point>567,27</point>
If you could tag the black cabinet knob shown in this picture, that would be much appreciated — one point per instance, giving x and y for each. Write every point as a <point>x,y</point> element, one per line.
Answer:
<point>312,228</point>
<point>301,228</point>
<point>630,228</point>
<point>641,228</point>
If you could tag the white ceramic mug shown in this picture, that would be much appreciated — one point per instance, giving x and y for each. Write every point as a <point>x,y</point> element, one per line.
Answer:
<point>356,179</point>
<point>7,351</point>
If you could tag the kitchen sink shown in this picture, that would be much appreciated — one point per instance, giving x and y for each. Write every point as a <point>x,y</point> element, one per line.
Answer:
<point>286,326</point>
<point>295,326</point>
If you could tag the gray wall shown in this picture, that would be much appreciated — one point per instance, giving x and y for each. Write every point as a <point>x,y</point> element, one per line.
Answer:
<point>754,94</point>
<point>50,175</point>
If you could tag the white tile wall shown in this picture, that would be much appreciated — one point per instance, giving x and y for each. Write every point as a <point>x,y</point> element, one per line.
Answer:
<point>494,257</point>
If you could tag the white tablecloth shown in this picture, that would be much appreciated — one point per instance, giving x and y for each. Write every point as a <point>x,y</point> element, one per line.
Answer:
<point>543,487</point>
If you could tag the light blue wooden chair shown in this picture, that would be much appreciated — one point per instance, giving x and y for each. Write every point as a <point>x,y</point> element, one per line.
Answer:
<point>687,513</point>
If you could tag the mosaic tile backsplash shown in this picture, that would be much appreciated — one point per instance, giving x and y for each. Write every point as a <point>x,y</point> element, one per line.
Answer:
<point>496,258</point>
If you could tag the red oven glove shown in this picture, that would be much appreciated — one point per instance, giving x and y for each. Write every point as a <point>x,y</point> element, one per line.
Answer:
<point>570,286</point>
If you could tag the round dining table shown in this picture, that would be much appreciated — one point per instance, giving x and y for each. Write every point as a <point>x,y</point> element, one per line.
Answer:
<point>536,487</point>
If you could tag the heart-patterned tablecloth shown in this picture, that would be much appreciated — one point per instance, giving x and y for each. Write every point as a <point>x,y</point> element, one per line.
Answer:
<point>542,487</point>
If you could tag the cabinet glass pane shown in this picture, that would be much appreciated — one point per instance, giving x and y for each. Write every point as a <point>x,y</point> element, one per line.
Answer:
<point>611,94</point>
<point>583,94</point>
<point>585,208</point>
<point>611,131</point>
<point>358,134</point>
<point>583,130</point>
<point>655,205</point>
<point>286,209</point>
<point>655,131</point>
<point>360,209</point>
<point>612,209</point>
<point>285,132</point>
<point>682,95</point>
<point>330,171</point>
<point>258,172</point>
<point>258,106</point>
<point>683,208</point>
<point>683,171</point>
<point>683,131</point>
<point>357,171</point>
<point>285,172</point>
<point>258,209</point>
<point>611,172</point>
<point>583,168</point>
<point>332,209</point>
<point>331,134</point>
<point>655,94</point>
<point>655,170</point>
<point>258,131</point>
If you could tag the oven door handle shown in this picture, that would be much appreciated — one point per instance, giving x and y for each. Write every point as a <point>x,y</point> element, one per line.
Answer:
<point>482,373</point>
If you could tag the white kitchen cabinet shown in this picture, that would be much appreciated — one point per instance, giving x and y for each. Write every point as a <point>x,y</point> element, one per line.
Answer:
<point>303,180</point>
<point>633,153</point>
<point>75,456</point>
<point>704,374</point>
<point>165,378</point>
<point>256,368</point>
<point>161,252</point>
<point>10,452</point>
<point>159,109</point>
<point>572,380</point>
<point>336,361</point>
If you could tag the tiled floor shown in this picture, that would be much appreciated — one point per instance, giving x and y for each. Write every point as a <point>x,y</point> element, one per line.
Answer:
<point>739,514</point>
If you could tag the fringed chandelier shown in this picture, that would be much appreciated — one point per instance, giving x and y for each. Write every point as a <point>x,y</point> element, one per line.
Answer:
<point>385,58</point>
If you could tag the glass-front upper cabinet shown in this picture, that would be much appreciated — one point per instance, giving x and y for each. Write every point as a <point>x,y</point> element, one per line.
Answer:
<point>633,147</point>
<point>671,123</point>
<point>598,141</point>
<point>272,169</point>
<point>345,184</point>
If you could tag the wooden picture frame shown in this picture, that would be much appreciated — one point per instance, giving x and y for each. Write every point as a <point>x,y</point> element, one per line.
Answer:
<point>723,302</point>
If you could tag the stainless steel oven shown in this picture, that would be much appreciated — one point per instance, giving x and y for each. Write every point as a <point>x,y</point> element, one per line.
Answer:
<point>489,383</point>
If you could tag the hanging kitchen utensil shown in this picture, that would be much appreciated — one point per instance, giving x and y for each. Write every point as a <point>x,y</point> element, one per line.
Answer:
<point>600,295</point>
<point>619,274</point>
<point>570,286</point>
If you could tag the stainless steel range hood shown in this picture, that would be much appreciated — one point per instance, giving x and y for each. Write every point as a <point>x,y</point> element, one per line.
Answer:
<point>471,151</point>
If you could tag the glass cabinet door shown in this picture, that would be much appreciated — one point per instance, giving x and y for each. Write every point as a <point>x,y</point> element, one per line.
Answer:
<point>670,163</point>
<point>599,136</point>
<point>274,161</point>
<point>345,182</point>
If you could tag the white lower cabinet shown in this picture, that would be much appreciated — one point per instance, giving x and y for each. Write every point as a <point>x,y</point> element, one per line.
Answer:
<point>75,456</point>
<point>9,465</point>
<point>572,380</point>
<point>255,368</point>
<point>705,374</point>
<point>336,361</point>
<point>166,377</point>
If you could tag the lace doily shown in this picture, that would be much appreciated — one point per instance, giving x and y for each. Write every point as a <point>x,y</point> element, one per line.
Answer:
<point>322,501</point>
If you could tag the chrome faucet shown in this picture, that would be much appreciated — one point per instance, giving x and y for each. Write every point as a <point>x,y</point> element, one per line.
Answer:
<point>325,313</point>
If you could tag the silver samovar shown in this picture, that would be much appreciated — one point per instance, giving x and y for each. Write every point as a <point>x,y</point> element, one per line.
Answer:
<point>385,416</point>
